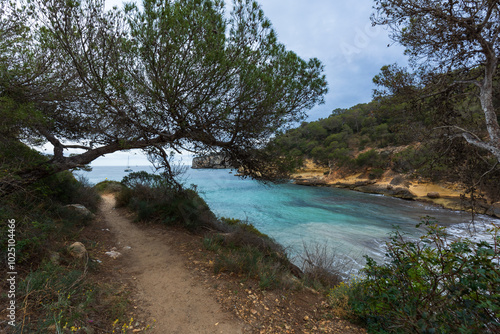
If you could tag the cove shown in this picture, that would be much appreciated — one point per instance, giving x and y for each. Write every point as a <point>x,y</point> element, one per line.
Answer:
<point>351,224</point>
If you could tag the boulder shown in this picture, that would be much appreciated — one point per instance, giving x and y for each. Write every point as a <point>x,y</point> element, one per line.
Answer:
<point>433,194</point>
<point>494,210</point>
<point>81,210</point>
<point>55,258</point>
<point>403,193</point>
<point>77,249</point>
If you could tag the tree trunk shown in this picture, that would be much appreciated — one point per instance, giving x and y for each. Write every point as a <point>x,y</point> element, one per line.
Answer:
<point>486,98</point>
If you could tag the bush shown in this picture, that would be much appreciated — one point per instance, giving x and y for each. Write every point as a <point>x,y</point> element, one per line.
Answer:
<point>322,266</point>
<point>244,250</point>
<point>243,225</point>
<point>410,160</point>
<point>432,286</point>
<point>54,292</point>
<point>108,187</point>
<point>269,269</point>
<point>370,158</point>
<point>156,198</point>
<point>145,179</point>
<point>376,173</point>
<point>56,298</point>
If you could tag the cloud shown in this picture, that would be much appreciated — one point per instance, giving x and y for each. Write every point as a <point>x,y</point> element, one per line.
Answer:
<point>340,34</point>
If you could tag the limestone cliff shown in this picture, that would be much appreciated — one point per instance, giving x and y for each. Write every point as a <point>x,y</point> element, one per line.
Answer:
<point>212,161</point>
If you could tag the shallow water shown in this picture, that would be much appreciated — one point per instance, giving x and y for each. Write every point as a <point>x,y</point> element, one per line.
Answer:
<point>352,224</point>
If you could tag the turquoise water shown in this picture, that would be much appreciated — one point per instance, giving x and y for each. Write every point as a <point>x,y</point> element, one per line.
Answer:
<point>350,223</point>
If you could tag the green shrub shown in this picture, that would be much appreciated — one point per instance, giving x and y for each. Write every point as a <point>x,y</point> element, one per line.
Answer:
<point>244,225</point>
<point>432,286</point>
<point>249,262</point>
<point>244,250</point>
<point>342,157</point>
<point>108,187</point>
<point>145,179</point>
<point>51,297</point>
<point>156,198</point>
<point>370,158</point>
<point>124,197</point>
<point>338,300</point>
<point>375,173</point>
<point>409,160</point>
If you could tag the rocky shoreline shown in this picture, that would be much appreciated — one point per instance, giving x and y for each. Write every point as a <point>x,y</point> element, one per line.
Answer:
<point>445,196</point>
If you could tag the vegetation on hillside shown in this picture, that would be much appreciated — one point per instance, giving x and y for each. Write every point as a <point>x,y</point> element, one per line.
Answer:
<point>337,140</point>
<point>54,291</point>
<point>403,133</point>
<point>385,134</point>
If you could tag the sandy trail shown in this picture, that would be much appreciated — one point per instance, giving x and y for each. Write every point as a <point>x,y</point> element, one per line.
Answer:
<point>166,290</point>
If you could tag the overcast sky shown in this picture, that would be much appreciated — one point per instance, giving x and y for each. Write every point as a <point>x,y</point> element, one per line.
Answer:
<point>337,32</point>
<point>340,34</point>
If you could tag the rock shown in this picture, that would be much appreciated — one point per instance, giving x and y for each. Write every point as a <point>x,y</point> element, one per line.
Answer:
<point>389,187</point>
<point>212,161</point>
<point>306,318</point>
<point>295,270</point>
<point>55,258</point>
<point>313,182</point>
<point>88,330</point>
<point>81,210</point>
<point>494,210</point>
<point>403,193</point>
<point>364,183</point>
<point>433,194</point>
<point>78,250</point>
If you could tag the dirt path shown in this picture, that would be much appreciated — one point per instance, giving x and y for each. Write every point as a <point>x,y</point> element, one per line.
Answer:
<point>165,290</point>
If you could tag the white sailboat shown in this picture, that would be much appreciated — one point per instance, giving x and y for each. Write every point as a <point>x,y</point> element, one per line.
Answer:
<point>128,169</point>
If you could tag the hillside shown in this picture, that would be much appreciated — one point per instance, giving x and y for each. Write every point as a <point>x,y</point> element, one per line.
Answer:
<point>367,146</point>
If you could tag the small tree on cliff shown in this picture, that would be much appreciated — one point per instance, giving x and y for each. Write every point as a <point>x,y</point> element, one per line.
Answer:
<point>457,42</point>
<point>171,75</point>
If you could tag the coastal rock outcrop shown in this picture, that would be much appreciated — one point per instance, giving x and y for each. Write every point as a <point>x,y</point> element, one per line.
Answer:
<point>403,193</point>
<point>494,210</point>
<point>212,161</point>
<point>77,250</point>
<point>80,209</point>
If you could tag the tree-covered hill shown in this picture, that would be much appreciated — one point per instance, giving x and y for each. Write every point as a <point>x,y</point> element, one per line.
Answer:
<point>400,133</point>
<point>338,139</point>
